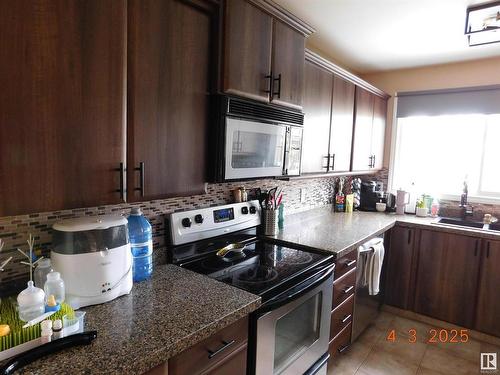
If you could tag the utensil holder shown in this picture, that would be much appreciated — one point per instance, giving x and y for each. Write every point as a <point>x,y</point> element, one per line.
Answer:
<point>270,218</point>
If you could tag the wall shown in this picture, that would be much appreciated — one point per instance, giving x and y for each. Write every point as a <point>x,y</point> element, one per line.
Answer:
<point>14,230</point>
<point>471,73</point>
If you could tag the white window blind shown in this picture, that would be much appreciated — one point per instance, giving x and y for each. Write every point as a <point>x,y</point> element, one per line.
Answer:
<point>470,100</point>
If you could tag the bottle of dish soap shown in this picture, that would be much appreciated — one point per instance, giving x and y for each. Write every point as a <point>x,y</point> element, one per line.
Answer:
<point>141,243</point>
<point>340,197</point>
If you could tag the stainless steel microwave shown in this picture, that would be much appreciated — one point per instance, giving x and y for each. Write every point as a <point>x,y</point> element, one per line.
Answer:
<point>255,140</point>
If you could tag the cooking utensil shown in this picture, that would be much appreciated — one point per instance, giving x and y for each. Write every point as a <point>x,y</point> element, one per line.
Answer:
<point>236,247</point>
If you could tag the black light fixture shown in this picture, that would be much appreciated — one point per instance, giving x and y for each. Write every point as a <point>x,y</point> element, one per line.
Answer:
<point>482,24</point>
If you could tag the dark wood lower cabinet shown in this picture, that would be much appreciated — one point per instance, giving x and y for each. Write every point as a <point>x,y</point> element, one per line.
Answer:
<point>339,344</point>
<point>234,363</point>
<point>399,267</point>
<point>488,305</point>
<point>223,353</point>
<point>447,274</point>
<point>342,305</point>
<point>451,277</point>
<point>172,54</point>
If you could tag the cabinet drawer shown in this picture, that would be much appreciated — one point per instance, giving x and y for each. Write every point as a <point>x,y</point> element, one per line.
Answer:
<point>234,363</point>
<point>339,344</point>
<point>343,288</point>
<point>345,264</point>
<point>341,316</point>
<point>204,355</point>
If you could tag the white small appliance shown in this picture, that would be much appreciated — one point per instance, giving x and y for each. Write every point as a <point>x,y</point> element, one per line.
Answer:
<point>94,258</point>
<point>402,199</point>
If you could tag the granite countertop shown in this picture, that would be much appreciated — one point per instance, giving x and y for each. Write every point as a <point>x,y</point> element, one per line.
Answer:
<point>161,317</point>
<point>340,233</point>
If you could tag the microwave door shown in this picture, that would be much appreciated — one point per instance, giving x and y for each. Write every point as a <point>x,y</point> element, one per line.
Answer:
<point>253,149</point>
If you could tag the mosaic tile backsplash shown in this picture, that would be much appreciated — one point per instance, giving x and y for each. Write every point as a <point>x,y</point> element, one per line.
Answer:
<point>14,230</point>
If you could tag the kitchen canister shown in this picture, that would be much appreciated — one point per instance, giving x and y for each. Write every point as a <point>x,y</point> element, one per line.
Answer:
<point>270,218</point>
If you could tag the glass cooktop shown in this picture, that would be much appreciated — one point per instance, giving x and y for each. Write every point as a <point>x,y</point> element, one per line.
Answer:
<point>261,268</point>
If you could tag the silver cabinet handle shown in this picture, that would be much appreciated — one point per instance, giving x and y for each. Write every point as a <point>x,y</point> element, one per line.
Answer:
<point>351,263</point>
<point>346,318</point>
<point>343,348</point>
<point>227,344</point>
<point>348,290</point>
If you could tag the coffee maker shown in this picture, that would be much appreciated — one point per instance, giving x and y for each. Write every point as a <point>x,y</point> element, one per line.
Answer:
<point>371,193</point>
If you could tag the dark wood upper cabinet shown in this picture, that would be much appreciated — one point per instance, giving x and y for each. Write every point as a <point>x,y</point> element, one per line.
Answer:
<point>369,131</point>
<point>171,60</point>
<point>287,65</point>
<point>378,131</point>
<point>488,306</point>
<point>363,121</point>
<point>341,124</point>
<point>447,274</point>
<point>399,267</point>
<point>263,50</point>
<point>357,110</point>
<point>247,50</point>
<point>62,125</point>
<point>318,84</point>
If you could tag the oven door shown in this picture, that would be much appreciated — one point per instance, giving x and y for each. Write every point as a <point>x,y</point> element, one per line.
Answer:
<point>253,149</point>
<point>293,335</point>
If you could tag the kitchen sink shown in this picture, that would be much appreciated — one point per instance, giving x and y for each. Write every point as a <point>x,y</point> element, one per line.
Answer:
<point>463,223</point>
<point>495,227</point>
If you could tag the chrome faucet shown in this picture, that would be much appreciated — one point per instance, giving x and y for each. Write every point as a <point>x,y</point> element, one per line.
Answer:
<point>465,208</point>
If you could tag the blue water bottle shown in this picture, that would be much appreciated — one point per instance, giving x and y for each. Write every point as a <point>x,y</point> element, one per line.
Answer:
<point>141,243</point>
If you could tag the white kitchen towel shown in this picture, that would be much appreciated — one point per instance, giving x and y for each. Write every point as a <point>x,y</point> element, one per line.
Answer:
<point>374,265</point>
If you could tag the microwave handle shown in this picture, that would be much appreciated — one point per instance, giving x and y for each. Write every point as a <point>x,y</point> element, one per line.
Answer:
<point>286,157</point>
<point>297,292</point>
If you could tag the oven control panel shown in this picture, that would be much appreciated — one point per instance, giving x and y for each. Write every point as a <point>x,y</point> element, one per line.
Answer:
<point>199,224</point>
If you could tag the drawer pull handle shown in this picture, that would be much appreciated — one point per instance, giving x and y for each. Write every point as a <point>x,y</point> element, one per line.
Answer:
<point>348,290</point>
<point>351,263</point>
<point>346,318</point>
<point>227,344</point>
<point>343,348</point>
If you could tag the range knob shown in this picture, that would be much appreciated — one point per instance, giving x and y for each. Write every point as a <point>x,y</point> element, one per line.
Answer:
<point>198,219</point>
<point>186,222</point>
<point>244,210</point>
<point>253,209</point>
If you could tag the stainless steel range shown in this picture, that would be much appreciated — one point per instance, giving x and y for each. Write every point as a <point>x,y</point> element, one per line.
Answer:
<point>289,333</point>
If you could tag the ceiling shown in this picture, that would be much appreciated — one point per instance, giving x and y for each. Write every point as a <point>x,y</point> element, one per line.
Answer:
<point>376,35</point>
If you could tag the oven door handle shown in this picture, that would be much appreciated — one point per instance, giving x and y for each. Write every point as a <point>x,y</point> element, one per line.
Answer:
<point>298,291</point>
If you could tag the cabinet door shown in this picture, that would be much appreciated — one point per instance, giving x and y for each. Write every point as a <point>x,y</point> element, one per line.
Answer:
<point>446,281</point>
<point>169,70</point>
<point>62,125</point>
<point>288,61</point>
<point>317,104</point>
<point>363,120</point>
<point>342,124</point>
<point>488,308</point>
<point>247,50</point>
<point>378,131</point>
<point>399,267</point>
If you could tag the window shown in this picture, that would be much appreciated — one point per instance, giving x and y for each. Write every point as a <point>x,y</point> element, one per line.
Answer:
<point>434,154</point>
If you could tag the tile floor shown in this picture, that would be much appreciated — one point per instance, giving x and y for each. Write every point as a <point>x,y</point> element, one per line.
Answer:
<point>373,354</point>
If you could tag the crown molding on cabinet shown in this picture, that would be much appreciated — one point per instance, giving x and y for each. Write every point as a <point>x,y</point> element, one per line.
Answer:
<point>284,15</point>
<point>331,67</point>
